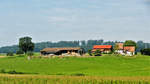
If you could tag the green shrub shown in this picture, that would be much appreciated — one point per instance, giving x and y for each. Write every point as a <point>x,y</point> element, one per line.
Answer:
<point>10,54</point>
<point>19,52</point>
<point>14,72</point>
<point>90,52</point>
<point>111,52</point>
<point>97,53</point>
<point>78,74</point>
<point>145,51</point>
<point>2,71</point>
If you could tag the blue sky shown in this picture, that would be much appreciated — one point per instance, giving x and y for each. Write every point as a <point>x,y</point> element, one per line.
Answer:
<point>54,20</point>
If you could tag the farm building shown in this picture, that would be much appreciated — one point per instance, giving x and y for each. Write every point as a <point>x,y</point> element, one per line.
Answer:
<point>125,50</point>
<point>103,48</point>
<point>129,50</point>
<point>62,51</point>
<point>119,49</point>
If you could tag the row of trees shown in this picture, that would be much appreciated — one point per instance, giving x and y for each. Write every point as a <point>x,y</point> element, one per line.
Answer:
<point>39,46</point>
<point>87,45</point>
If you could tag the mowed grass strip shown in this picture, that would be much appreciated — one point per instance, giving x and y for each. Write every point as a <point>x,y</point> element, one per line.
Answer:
<point>108,65</point>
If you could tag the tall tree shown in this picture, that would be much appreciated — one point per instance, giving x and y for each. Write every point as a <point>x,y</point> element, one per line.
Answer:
<point>26,44</point>
<point>130,43</point>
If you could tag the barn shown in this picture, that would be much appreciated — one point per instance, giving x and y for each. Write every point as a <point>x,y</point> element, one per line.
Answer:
<point>130,50</point>
<point>62,51</point>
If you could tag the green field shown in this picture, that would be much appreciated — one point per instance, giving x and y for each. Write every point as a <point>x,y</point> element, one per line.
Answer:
<point>108,65</point>
<point>107,69</point>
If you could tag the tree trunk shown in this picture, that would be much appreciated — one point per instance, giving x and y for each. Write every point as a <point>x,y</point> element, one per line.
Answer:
<point>29,57</point>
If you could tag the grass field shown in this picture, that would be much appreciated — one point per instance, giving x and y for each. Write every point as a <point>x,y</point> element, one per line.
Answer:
<point>108,65</point>
<point>107,69</point>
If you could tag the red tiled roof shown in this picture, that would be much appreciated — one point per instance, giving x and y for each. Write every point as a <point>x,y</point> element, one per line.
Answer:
<point>129,48</point>
<point>120,46</point>
<point>102,46</point>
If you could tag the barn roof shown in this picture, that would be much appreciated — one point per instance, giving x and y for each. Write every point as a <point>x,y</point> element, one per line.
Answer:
<point>120,46</point>
<point>102,46</point>
<point>129,48</point>
<point>59,49</point>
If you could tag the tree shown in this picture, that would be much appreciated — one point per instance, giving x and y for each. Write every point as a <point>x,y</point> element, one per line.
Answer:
<point>26,44</point>
<point>30,54</point>
<point>130,43</point>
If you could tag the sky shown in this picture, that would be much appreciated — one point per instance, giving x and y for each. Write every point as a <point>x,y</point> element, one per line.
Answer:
<point>55,20</point>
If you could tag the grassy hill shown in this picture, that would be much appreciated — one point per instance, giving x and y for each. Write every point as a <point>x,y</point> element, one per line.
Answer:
<point>108,65</point>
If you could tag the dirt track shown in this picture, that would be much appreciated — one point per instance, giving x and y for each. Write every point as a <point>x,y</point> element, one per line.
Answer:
<point>2,56</point>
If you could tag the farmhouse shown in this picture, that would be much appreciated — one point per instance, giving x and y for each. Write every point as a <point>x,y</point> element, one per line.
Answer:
<point>129,50</point>
<point>119,49</point>
<point>102,48</point>
<point>125,50</point>
<point>62,51</point>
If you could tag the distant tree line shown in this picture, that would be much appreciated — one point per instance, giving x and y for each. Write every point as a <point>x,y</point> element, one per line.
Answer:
<point>86,45</point>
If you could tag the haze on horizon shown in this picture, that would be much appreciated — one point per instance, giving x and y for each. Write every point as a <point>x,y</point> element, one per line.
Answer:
<point>55,20</point>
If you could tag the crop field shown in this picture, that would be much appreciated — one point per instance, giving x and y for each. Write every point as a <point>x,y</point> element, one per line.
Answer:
<point>33,79</point>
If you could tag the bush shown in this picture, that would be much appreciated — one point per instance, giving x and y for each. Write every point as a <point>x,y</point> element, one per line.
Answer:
<point>145,51</point>
<point>14,72</point>
<point>111,52</point>
<point>136,53</point>
<point>90,52</point>
<point>2,71</point>
<point>19,52</point>
<point>97,53</point>
<point>78,74</point>
<point>10,54</point>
